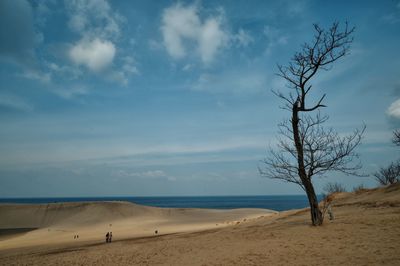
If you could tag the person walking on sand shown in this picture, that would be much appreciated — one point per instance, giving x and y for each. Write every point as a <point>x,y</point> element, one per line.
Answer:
<point>108,237</point>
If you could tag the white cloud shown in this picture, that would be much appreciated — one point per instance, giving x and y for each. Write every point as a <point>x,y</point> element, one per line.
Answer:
<point>99,27</point>
<point>155,173</point>
<point>71,92</point>
<point>295,8</point>
<point>127,69</point>
<point>14,102</point>
<point>93,18</point>
<point>187,67</point>
<point>64,71</point>
<point>118,76</point>
<point>145,174</point>
<point>178,23</point>
<point>182,26</point>
<point>150,173</point>
<point>77,22</point>
<point>243,38</point>
<point>95,54</point>
<point>36,75</point>
<point>394,109</point>
<point>275,38</point>
<point>236,82</point>
<point>211,39</point>
<point>129,65</point>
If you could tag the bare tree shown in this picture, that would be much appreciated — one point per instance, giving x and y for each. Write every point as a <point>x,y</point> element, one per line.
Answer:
<point>396,137</point>
<point>388,175</point>
<point>305,148</point>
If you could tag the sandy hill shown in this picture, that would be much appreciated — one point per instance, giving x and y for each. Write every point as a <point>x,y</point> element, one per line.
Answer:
<point>57,223</point>
<point>365,231</point>
<point>72,214</point>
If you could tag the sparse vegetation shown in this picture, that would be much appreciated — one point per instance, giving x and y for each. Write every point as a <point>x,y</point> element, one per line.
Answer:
<point>335,187</point>
<point>388,175</point>
<point>359,188</point>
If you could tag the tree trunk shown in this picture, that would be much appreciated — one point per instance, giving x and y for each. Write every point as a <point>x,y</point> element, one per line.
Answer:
<point>316,215</point>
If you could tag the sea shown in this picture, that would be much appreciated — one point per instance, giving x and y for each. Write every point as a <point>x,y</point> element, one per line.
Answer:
<point>275,202</point>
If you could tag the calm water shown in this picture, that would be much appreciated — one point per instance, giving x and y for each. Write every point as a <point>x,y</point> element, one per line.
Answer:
<point>279,203</point>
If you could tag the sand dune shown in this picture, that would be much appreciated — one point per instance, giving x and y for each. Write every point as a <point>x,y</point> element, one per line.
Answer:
<point>58,223</point>
<point>365,231</point>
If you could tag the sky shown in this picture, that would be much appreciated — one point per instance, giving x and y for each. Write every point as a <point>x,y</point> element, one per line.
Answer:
<point>173,98</point>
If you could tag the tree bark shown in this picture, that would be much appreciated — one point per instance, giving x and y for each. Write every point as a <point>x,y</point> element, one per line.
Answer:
<point>316,214</point>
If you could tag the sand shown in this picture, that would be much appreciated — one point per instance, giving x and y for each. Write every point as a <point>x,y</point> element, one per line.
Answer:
<point>366,231</point>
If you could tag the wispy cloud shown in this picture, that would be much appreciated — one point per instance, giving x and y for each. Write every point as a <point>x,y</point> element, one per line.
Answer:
<point>145,174</point>
<point>231,82</point>
<point>15,102</point>
<point>126,151</point>
<point>36,75</point>
<point>275,38</point>
<point>71,91</point>
<point>394,16</point>
<point>242,38</point>
<point>128,67</point>
<point>93,19</point>
<point>64,71</point>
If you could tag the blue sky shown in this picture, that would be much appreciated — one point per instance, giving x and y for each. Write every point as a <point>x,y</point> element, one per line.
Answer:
<point>143,98</point>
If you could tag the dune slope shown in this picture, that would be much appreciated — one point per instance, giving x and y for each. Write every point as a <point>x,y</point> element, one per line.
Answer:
<point>58,223</point>
<point>365,231</point>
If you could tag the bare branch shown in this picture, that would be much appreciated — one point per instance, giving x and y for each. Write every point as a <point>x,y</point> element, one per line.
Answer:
<point>328,46</point>
<point>388,175</point>
<point>396,137</point>
<point>316,106</point>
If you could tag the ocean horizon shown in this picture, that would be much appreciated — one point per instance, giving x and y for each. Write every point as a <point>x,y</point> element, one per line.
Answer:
<point>272,202</point>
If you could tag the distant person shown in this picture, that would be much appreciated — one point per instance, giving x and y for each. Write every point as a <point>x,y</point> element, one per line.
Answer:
<point>108,237</point>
